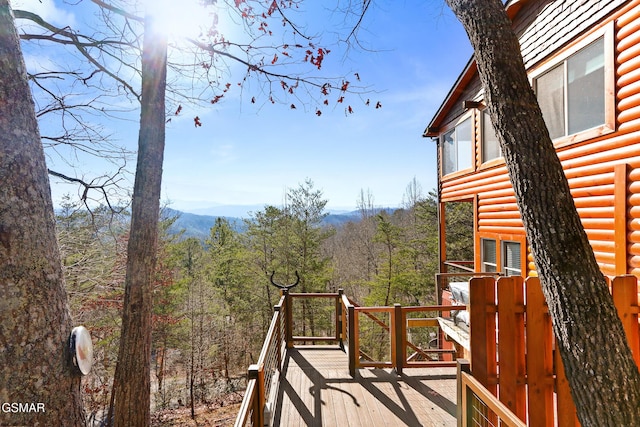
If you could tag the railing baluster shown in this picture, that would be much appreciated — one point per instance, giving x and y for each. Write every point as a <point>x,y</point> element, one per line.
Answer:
<point>276,310</point>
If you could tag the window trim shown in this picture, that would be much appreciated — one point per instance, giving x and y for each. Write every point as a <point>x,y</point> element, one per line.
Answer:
<point>500,239</point>
<point>490,162</point>
<point>482,255</point>
<point>471,115</point>
<point>607,33</point>
<point>503,256</point>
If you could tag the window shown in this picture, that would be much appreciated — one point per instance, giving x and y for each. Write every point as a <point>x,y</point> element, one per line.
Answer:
<point>457,148</point>
<point>572,94</point>
<point>490,145</point>
<point>511,261</point>
<point>489,256</point>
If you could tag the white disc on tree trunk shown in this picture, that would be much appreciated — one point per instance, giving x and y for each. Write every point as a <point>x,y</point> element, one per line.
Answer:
<point>82,349</point>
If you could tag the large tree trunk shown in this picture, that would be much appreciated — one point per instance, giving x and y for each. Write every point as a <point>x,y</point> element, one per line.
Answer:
<point>35,321</point>
<point>604,379</point>
<point>132,378</point>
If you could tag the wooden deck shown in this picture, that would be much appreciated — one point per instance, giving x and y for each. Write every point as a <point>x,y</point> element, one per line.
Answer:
<point>317,390</point>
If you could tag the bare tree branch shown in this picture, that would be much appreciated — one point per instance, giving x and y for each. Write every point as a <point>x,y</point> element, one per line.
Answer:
<point>75,41</point>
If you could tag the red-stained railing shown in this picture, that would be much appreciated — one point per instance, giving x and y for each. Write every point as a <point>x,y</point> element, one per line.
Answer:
<point>512,350</point>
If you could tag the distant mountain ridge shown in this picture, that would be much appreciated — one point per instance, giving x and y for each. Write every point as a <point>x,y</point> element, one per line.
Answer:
<point>199,226</point>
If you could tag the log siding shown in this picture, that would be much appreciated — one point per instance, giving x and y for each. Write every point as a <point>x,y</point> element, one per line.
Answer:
<point>603,169</point>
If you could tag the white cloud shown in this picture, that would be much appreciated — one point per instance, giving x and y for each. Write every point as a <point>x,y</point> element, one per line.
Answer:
<point>47,10</point>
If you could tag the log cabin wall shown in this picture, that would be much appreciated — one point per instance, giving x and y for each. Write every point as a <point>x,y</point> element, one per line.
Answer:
<point>602,165</point>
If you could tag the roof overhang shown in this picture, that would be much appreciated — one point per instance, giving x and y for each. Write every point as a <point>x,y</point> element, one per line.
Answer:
<point>432,130</point>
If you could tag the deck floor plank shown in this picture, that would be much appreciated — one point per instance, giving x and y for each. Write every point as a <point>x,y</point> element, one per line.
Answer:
<point>340,407</point>
<point>317,390</point>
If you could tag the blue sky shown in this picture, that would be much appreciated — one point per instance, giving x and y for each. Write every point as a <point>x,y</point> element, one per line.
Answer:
<point>250,154</point>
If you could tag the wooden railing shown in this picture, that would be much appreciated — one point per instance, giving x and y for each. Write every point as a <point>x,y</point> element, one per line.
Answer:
<point>477,406</point>
<point>258,404</point>
<point>530,381</point>
<point>402,335</point>
<point>530,386</point>
<point>264,377</point>
<point>408,332</point>
<point>331,327</point>
<point>467,266</point>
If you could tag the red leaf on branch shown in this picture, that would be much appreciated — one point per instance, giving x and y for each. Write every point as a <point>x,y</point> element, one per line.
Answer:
<point>345,86</point>
<point>378,105</point>
<point>273,7</point>
<point>341,99</point>
<point>197,122</point>
<point>179,109</point>
<point>350,110</point>
<point>318,113</point>
<point>275,58</point>
<point>317,61</point>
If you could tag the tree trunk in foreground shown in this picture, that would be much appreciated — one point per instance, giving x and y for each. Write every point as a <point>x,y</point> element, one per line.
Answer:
<point>604,379</point>
<point>35,321</point>
<point>132,378</point>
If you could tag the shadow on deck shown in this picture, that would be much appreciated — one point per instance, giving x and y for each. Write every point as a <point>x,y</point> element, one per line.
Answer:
<point>317,390</point>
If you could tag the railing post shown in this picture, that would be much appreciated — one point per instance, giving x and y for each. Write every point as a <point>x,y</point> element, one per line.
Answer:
<point>257,418</point>
<point>461,408</point>
<point>399,332</point>
<point>289,318</point>
<point>353,351</point>
<point>339,335</point>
